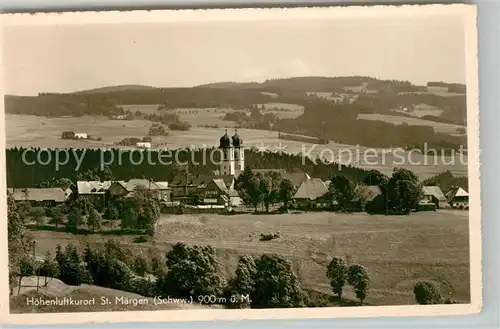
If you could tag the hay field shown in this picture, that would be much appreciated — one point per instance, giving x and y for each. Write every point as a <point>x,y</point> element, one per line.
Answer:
<point>439,127</point>
<point>397,250</point>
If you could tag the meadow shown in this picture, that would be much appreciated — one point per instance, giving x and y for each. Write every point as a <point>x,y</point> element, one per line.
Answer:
<point>398,251</point>
<point>439,127</point>
<point>32,131</point>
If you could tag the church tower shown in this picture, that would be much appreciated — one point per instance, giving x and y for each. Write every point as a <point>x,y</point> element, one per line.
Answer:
<point>227,166</point>
<point>239,152</point>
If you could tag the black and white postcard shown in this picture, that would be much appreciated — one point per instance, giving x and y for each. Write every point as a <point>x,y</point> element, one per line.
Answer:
<point>240,164</point>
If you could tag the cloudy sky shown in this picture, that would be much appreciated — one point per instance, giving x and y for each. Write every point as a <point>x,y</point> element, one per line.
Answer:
<point>77,57</point>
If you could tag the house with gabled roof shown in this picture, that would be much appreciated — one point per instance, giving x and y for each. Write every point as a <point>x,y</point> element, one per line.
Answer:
<point>458,198</point>
<point>220,191</point>
<point>312,193</point>
<point>433,194</point>
<point>41,196</point>
<point>127,189</point>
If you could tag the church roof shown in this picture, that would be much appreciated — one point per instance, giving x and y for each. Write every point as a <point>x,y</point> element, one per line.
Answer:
<point>225,141</point>
<point>237,141</point>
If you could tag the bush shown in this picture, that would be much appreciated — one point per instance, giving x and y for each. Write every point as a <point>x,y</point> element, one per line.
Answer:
<point>426,293</point>
<point>140,266</point>
<point>141,239</point>
<point>268,237</point>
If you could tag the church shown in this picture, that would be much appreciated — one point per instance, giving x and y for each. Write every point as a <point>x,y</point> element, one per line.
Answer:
<point>219,188</point>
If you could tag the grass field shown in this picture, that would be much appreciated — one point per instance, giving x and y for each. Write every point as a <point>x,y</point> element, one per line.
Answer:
<point>397,250</point>
<point>439,127</point>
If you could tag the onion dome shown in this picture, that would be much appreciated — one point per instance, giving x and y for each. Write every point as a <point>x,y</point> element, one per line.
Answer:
<point>237,141</point>
<point>225,141</point>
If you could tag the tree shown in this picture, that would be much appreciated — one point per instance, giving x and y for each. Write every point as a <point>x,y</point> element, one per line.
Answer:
<point>403,191</point>
<point>27,267</point>
<point>140,265</point>
<point>111,212</point>
<point>286,190</point>
<point>269,183</point>
<point>276,284</point>
<point>243,283</point>
<point>375,177</point>
<point>249,188</point>
<point>94,219</point>
<point>359,279</point>
<point>72,269</point>
<point>342,190</point>
<point>129,218</point>
<point>57,214</point>
<point>426,293</point>
<point>49,268</point>
<point>192,271</point>
<point>107,267</point>
<point>75,219</point>
<point>18,242</point>
<point>336,272</point>
<point>157,266</point>
<point>38,214</point>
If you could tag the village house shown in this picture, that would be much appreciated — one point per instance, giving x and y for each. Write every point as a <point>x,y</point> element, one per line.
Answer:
<point>41,196</point>
<point>433,194</point>
<point>458,198</point>
<point>94,191</point>
<point>221,191</point>
<point>312,193</point>
<point>123,189</point>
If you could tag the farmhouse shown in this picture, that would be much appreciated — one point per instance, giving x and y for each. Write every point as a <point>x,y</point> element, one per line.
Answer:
<point>94,191</point>
<point>123,189</point>
<point>40,196</point>
<point>433,194</point>
<point>218,191</point>
<point>458,198</point>
<point>312,193</point>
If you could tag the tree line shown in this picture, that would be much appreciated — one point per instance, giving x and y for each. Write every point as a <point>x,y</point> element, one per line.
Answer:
<point>31,172</point>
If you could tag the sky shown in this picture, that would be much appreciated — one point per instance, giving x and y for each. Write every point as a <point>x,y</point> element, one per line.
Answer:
<point>78,57</point>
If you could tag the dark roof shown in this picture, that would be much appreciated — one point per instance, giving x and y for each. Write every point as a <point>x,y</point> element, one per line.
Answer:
<point>237,141</point>
<point>39,194</point>
<point>225,141</point>
<point>456,192</point>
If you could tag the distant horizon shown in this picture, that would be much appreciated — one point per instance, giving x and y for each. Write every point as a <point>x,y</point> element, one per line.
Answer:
<point>235,82</point>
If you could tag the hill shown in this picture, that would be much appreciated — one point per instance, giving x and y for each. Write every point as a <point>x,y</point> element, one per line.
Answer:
<point>56,289</point>
<point>109,89</point>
